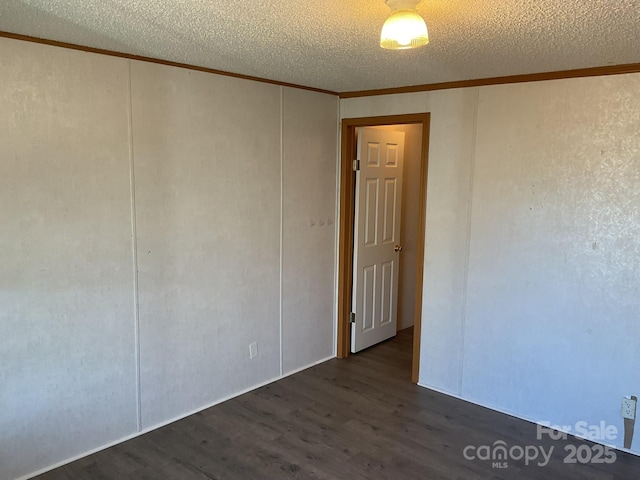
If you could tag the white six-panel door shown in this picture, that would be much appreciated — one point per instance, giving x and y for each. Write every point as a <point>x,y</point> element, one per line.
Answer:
<point>376,236</point>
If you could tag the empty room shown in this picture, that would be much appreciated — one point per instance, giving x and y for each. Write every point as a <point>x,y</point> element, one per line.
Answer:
<point>359,239</point>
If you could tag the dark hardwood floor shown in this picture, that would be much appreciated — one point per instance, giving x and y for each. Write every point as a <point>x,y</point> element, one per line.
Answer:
<point>352,419</point>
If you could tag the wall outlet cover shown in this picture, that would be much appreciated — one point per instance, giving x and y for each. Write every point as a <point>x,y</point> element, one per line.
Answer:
<point>628,408</point>
<point>253,350</point>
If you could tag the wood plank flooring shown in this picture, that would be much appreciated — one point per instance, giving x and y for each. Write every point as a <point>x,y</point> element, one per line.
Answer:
<point>352,419</point>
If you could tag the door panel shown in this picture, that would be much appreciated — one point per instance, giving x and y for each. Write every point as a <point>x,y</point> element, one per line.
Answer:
<point>390,206</point>
<point>368,297</point>
<point>371,213</point>
<point>387,305</point>
<point>376,233</point>
<point>373,154</point>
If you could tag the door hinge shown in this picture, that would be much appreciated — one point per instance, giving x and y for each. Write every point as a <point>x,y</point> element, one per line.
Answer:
<point>356,165</point>
<point>352,317</point>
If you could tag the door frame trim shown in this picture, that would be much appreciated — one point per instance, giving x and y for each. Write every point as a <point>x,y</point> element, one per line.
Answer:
<point>346,212</point>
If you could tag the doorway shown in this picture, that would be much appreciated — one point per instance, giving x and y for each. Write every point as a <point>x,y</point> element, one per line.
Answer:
<point>347,202</point>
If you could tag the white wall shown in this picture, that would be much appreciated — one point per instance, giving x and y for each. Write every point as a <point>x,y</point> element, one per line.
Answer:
<point>531,264</point>
<point>216,222</point>
<point>409,227</point>
<point>67,354</point>
<point>309,227</point>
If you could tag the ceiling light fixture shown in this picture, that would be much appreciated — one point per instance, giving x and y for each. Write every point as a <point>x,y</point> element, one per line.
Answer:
<point>404,28</point>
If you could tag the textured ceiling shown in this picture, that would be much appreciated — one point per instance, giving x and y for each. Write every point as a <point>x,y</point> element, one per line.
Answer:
<point>333,44</point>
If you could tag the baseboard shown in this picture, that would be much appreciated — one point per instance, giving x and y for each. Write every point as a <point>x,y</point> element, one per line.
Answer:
<point>168,422</point>
<point>522,417</point>
<point>298,370</point>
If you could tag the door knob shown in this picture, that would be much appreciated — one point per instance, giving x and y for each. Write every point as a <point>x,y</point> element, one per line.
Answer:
<point>398,248</point>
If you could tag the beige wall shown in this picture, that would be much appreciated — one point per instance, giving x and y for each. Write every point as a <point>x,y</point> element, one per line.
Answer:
<point>67,343</point>
<point>155,222</point>
<point>309,228</point>
<point>409,229</point>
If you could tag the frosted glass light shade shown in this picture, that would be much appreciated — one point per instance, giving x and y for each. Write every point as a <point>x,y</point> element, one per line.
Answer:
<point>404,29</point>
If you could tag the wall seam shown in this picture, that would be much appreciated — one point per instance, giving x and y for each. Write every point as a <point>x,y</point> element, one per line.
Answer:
<point>465,300</point>
<point>281,226</point>
<point>134,250</point>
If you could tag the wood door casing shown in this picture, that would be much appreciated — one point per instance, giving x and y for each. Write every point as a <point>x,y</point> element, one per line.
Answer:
<point>346,216</point>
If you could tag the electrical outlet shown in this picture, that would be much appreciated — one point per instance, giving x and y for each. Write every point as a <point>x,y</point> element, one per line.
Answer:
<point>253,350</point>
<point>628,408</point>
